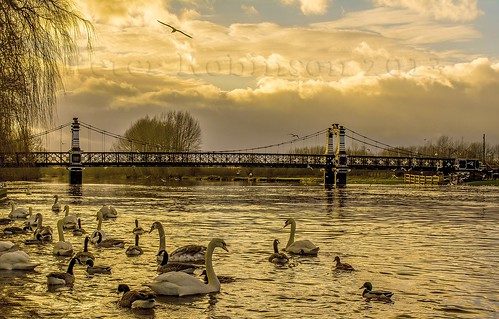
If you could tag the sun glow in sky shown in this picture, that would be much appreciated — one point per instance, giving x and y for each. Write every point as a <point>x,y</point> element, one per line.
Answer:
<point>400,71</point>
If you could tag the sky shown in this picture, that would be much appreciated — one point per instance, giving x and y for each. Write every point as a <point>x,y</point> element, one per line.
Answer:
<point>403,72</point>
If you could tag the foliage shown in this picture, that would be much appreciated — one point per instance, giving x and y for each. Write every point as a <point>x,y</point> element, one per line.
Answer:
<point>35,36</point>
<point>174,131</point>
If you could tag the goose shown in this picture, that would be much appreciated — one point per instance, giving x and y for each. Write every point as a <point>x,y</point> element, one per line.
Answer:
<point>222,279</point>
<point>56,207</point>
<point>97,269</point>
<point>188,253</point>
<point>175,266</point>
<point>85,255</point>
<point>63,278</point>
<point>78,231</point>
<point>17,212</point>
<point>369,293</point>
<point>5,221</point>
<point>278,257</point>
<point>31,221</point>
<point>70,221</point>
<point>182,284</point>
<point>45,231</point>
<point>108,212</point>
<point>109,242</point>
<point>94,237</point>
<point>7,246</point>
<point>138,230</point>
<point>342,266</point>
<point>14,230</point>
<point>302,247</point>
<point>62,248</point>
<point>16,260</point>
<point>135,299</point>
<point>134,250</point>
<point>37,240</point>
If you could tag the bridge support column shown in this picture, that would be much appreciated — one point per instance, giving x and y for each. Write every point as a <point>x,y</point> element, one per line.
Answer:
<point>329,177</point>
<point>340,158</point>
<point>75,167</point>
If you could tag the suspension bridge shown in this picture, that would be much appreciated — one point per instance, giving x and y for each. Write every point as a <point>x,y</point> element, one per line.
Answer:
<point>335,161</point>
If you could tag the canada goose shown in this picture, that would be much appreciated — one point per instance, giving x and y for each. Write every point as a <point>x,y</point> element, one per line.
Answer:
<point>135,299</point>
<point>138,230</point>
<point>97,269</point>
<point>63,278</point>
<point>222,279</point>
<point>56,207</point>
<point>167,266</point>
<point>278,257</point>
<point>17,212</point>
<point>302,247</point>
<point>70,221</point>
<point>179,283</point>
<point>16,260</point>
<point>79,231</point>
<point>109,242</point>
<point>342,266</point>
<point>62,248</point>
<point>14,230</point>
<point>369,293</point>
<point>134,250</point>
<point>85,255</point>
<point>94,236</point>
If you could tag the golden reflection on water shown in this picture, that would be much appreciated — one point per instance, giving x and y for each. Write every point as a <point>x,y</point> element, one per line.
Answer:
<point>435,248</point>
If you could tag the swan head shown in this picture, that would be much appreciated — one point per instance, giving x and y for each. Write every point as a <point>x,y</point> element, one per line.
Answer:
<point>99,215</point>
<point>155,225</point>
<point>218,242</point>
<point>289,221</point>
<point>367,285</point>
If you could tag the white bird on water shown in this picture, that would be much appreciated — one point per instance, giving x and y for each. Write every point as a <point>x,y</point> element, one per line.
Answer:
<point>175,29</point>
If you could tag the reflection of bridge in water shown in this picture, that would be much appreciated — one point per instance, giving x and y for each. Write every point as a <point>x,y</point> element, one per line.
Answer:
<point>335,162</point>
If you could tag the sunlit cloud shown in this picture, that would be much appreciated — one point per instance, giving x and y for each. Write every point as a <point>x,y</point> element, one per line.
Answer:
<point>310,7</point>
<point>250,10</point>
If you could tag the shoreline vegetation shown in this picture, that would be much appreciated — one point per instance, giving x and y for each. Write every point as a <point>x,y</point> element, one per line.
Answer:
<point>166,175</point>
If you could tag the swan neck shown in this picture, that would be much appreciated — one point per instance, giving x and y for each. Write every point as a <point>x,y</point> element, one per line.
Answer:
<point>210,272</point>
<point>291,234</point>
<point>99,225</point>
<point>161,232</point>
<point>39,221</point>
<point>60,230</point>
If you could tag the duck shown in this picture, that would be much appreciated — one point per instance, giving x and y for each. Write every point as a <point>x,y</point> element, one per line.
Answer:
<point>63,278</point>
<point>369,293</point>
<point>36,240</point>
<point>16,260</point>
<point>70,221</point>
<point>138,230</point>
<point>85,255</point>
<point>94,237</point>
<point>278,257</point>
<point>93,269</point>
<point>135,299</point>
<point>302,247</point>
<point>109,242</point>
<point>342,266</point>
<point>108,212</point>
<point>45,231</point>
<point>188,253</point>
<point>134,250</point>
<point>56,207</point>
<point>62,248</point>
<point>79,231</point>
<point>166,266</point>
<point>17,212</point>
<point>178,283</point>
<point>7,246</point>
<point>14,230</point>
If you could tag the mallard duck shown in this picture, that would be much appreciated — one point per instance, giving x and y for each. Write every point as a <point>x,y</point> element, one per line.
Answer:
<point>179,283</point>
<point>97,269</point>
<point>17,212</point>
<point>369,293</point>
<point>63,278</point>
<point>109,242</point>
<point>167,266</point>
<point>85,255</point>
<point>138,230</point>
<point>45,231</point>
<point>134,250</point>
<point>79,231</point>
<point>342,266</point>
<point>56,207</point>
<point>108,212</point>
<point>62,248</point>
<point>302,247</point>
<point>135,299</point>
<point>70,221</point>
<point>278,257</point>
<point>16,260</point>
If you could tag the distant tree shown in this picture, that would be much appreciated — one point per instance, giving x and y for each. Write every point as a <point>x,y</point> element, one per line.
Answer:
<point>174,131</point>
<point>35,37</point>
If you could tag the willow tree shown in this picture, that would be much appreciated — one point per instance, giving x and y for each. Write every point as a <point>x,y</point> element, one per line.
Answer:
<point>173,131</point>
<point>36,39</point>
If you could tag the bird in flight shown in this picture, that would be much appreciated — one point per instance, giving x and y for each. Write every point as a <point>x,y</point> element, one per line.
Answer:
<point>175,29</point>
<point>294,135</point>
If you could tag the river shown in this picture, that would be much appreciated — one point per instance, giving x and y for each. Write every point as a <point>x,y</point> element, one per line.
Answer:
<point>435,248</point>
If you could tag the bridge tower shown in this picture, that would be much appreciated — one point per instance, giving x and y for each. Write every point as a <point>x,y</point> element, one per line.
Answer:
<point>335,173</point>
<point>75,167</point>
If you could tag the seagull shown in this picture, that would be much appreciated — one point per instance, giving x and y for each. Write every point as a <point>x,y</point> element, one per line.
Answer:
<point>294,135</point>
<point>175,29</point>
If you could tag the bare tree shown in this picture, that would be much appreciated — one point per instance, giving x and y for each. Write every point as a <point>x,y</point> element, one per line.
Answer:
<point>35,38</point>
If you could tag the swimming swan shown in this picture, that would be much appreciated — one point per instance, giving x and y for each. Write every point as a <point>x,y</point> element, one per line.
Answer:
<point>278,257</point>
<point>70,221</point>
<point>7,246</point>
<point>56,207</point>
<point>135,299</point>
<point>182,284</point>
<point>17,212</point>
<point>44,231</point>
<point>31,221</point>
<point>108,212</point>
<point>63,278</point>
<point>16,260</point>
<point>302,247</point>
<point>162,244</point>
<point>62,248</point>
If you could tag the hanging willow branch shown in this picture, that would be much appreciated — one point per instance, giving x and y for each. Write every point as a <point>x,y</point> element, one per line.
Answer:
<point>36,38</point>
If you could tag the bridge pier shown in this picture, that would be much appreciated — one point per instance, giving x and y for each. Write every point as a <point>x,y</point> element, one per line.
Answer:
<point>75,167</point>
<point>335,172</point>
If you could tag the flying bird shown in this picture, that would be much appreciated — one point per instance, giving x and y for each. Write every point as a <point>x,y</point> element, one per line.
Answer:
<point>175,29</point>
<point>294,135</point>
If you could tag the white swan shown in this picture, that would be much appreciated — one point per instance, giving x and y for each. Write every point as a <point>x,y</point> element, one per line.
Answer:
<point>31,221</point>
<point>302,247</point>
<point>183,284</point>
<point>85,255</point>
<point>44,231</point>
<point>108,212</point>
<point>17,212</point>
<point>70,221</point>
<point>162,244</point>
<point>94,236</point>
<point>278,257</point>
<point>62,248</point>
<point>134,250</point>
<point>56,207</point>
<point>63,278</point>
<point>16,260</point>
<point>7,246</point>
